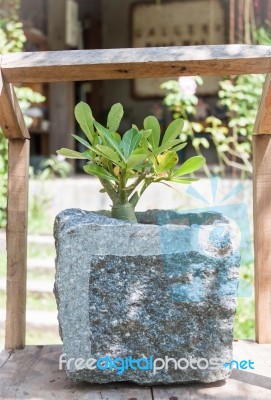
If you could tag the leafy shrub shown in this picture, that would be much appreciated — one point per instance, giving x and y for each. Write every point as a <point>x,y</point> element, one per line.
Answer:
<point>144,155</point>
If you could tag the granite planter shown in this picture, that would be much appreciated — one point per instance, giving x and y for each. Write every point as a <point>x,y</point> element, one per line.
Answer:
<point>164,288</point>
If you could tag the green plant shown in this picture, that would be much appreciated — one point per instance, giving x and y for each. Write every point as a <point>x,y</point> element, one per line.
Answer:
<point>140,154</point>
<point>55,166</point>
<point>241,96</point>
<point>182,101</point>
<point>39,220</point>
<point>12,39</point>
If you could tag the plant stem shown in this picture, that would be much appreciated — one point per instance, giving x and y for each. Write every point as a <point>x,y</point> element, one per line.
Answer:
<point>109,189</point>
<point>123,194</point>
<point>124,211</point>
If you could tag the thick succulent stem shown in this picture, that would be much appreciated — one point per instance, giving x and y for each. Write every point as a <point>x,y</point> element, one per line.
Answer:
<point>124,211</point>
<point>109,189</point>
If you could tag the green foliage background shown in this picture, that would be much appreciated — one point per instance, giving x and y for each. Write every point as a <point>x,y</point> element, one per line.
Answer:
<point>12,39</point>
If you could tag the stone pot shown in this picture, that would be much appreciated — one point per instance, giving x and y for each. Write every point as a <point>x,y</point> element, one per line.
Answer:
<point>130,294</point>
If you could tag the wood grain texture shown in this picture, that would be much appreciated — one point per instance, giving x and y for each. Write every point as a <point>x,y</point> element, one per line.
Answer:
<point>18,176</point>
<point>262,235</point>
<point>61,94</point>
<point>33,373</point>
<point>78,65</point>
<point>11,117</point>
<point>263,119</point>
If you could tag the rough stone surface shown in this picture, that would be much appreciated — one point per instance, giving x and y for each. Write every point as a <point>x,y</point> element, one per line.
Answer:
<point>164,287</point>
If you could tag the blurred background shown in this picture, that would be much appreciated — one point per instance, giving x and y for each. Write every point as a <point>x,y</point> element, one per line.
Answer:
<point>219,114</point>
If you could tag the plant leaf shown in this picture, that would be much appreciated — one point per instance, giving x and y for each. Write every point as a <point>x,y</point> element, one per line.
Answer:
<point>146,132</point>
<point>71,154</point>
<point>189,166</point>
<point>152,123</point>
<point>130,141</point>
<point>81,140</point>
<point>114,117</point>
<point>98,171</point>
<point>173,130</point>
<point>116,136</point>
<point>180,147</point>
<point>185,181</point>
<point>83,115</point>
<point>136,158</point>
<point>109,153</point>
<point>167,146</point>
<point>167,161</point>
<point>110,139</point>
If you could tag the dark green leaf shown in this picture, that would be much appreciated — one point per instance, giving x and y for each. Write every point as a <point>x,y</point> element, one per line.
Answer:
<point>130,141</point>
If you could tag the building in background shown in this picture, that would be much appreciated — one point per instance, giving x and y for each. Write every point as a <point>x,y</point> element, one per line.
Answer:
<point>102,24</point>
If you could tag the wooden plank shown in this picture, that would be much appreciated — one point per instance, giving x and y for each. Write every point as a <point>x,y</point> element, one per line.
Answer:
<point>11,117</point>
<point>61,94</point>
<point>263,119</point>
<point>77,65</point>
<point>18,176</point>
<point>34,373</point>
<point>262,235</point>
<point>243,384</point>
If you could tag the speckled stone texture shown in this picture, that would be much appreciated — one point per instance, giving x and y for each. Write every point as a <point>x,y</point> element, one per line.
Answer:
<point>165,287</point>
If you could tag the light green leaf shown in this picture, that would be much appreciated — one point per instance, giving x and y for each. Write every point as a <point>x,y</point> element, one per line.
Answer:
<point>90,155</point>
<point>137,157</point>
<point>173,130</point>
<point>167,161</point>
<point>109,153</point>
<point>81,140</point>
<point>98,171</point>
<point>110,139</point>
<point>185,181</point>
<point>114,117</point>
<point>180,147</point>
<point>146,133</point>
<point>130,141</point>
<point>116,136</point>
<point>189,166</point>
<point>83,115</point>
<point>152,123</point>
<point>167,146</point>
<point>71,154</point>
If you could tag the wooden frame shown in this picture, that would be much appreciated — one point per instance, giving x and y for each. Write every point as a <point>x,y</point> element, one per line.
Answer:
<point>128,64</point>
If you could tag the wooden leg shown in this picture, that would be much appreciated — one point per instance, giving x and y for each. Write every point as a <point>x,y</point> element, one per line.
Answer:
<point>262,235</point>
<point>18,174</point>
